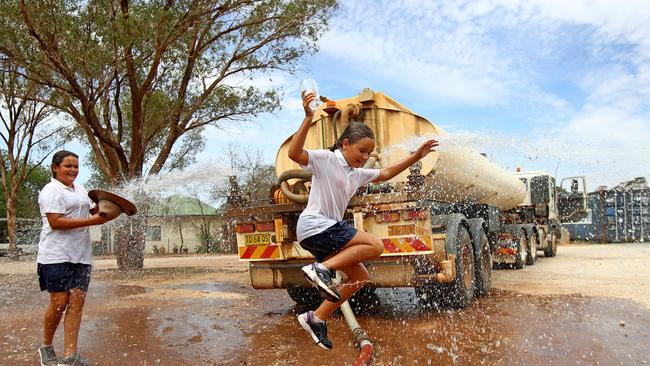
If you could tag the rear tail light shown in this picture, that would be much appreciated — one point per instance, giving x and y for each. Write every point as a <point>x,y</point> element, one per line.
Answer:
<point>414,215</point>
<point>504,237</point>
<point>265,226</point>
<point>387,217</point>
<point>245,228</point>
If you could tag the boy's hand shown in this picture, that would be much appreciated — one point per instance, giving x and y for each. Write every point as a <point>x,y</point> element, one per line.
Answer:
<point>427,147</point>
<point>306,99</point>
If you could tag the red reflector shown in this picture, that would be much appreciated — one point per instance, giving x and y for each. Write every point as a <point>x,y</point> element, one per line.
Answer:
<point>390,217</point>
<point>265,226</point>
<point>504,237</point>
<point>245,228</point>
<point>414,215</point>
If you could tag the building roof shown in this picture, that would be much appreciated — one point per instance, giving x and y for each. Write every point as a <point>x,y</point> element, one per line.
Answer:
<point>178,205</point>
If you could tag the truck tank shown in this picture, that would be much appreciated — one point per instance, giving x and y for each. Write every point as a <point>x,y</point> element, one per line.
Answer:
<point>453,174</point>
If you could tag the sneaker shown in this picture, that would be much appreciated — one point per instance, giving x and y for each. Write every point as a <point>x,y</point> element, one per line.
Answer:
<point>75,360</point>
<point>47,355</point>
<point>322,278</point>
<point>317,330</point>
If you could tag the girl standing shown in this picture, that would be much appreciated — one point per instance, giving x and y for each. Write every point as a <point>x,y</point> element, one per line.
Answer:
<point>337,245</point>
<point>64,256</point>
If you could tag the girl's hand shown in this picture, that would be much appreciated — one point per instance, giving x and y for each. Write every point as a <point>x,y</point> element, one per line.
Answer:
<point>427,147</point>
<point>100,219</point>
<point>306,99</point>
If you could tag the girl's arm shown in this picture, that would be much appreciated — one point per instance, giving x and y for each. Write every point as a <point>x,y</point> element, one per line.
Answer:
<point>394,169</point>
<point>296,151</point>
<point>58,221</point>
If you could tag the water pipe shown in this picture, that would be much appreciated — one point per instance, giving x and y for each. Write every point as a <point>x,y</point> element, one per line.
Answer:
<point>360,336</point>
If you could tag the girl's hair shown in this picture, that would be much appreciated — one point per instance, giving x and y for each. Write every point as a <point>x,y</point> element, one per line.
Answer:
<point>58,157</point>
<point>354,132</point>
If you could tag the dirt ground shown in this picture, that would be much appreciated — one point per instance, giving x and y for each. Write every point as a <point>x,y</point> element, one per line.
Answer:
<point>588,305</point>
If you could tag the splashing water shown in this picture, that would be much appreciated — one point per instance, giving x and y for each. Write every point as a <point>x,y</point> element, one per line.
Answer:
<point>195,180</point>
<point>602,163</point>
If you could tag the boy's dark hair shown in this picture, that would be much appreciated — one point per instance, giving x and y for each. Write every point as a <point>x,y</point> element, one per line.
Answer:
<point>58,157</point>
<point>354,132</point>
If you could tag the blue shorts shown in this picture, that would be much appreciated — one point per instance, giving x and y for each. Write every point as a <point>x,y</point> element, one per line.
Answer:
<point>63,277</point>
<point>330,241</point>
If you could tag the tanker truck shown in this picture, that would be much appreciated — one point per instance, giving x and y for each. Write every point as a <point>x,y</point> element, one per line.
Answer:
<point>442,221</point>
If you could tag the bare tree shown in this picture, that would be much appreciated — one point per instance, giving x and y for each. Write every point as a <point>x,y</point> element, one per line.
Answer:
<point>253,177</point>
<point>140,77</point>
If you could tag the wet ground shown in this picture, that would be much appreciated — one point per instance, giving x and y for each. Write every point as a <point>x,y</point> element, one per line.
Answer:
<point>207,314</point>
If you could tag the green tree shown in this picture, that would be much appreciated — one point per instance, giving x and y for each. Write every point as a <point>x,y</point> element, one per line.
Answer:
<point>26,129</point>
<point>142,79</point>
<point>27,199</point>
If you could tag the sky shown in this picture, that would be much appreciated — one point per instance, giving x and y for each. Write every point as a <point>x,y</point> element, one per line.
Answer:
<point>559,86</point>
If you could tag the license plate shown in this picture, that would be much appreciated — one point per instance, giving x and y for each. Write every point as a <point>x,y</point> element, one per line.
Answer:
<point>257,239</point>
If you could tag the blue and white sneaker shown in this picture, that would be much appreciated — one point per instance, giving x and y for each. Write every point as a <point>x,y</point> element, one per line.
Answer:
<point>323,279</point>
<point>317,330</point>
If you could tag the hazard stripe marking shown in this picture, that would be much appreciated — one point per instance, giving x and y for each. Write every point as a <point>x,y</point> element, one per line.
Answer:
<point>406,245</point>
<point>259,252</point>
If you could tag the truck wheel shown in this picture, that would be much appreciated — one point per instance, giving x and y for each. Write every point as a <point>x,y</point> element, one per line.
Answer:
<point>551,248</point>
<point>432,296</point>
<point>483,273</point>
<point>462,288</point>
<point>306,296</point>
<point>365,300</point>
<point>543,239</point>
<point>459,293</point>
<point>520,260</point>
<point>531,254</point>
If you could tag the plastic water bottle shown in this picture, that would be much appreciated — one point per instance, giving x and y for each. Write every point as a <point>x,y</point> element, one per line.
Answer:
<point>309,86</point>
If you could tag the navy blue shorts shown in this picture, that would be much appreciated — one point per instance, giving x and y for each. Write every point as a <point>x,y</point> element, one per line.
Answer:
<point>63,277</point>
<point>330,241</point>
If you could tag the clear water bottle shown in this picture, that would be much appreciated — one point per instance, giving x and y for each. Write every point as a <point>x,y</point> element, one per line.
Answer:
<point>309,86</point>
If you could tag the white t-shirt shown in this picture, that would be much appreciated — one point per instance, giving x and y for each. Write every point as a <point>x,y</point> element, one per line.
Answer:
<point>59,246</point>
<point>333,183</point>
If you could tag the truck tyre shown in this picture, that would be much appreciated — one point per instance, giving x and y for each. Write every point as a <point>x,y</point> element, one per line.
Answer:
<point>543,239</point>
<point>531,254</point>
<point>365,300</point>
<point>461,290</point>
<point>483,257</point>
<point>458,293</point>
<point>520,260</point>
<point>551,248</point>
<point>305,296</point>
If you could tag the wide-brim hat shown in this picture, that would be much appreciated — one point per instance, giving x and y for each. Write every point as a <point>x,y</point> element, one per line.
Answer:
<point>125,205</point>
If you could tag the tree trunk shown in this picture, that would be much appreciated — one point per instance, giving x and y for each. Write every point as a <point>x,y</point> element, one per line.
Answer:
<point>129,243</point>
<point>12,251</point>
